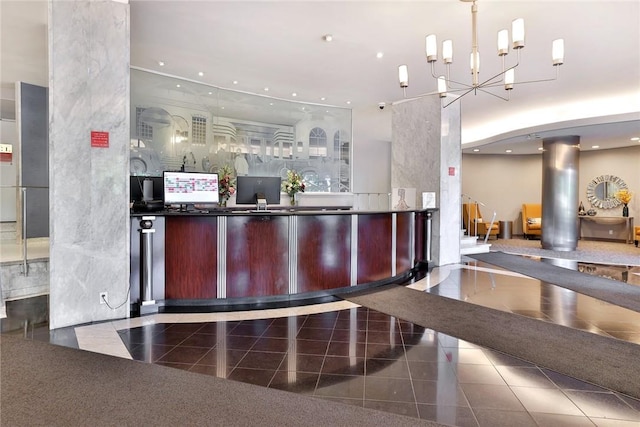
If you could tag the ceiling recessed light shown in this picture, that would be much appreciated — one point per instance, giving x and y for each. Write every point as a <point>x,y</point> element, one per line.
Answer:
<point>266,89</point>
<point>210,93</point>
<point>161,63</point>
<point>177,85</point>
<point>540,148</point>
<point>323,98</point>
<point>294,94</point>
<point>475,150</point>
<point>327,37</point>
<point>349,102</point>
<point>595,146</point>
<point>235,82</point>
<point>379,55</point>
<point>271,103</point>
<point>508,151</point>
<point>636,138</point>
<point>201,74</point>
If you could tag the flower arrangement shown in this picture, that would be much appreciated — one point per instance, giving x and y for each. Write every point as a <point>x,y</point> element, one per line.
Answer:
<point>226,184</point>
<point>293,184</point>
<point>624,196</point>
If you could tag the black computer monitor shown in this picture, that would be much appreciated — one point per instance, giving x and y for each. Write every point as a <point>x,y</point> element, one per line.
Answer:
<point>249,187</point>
<point>190,188</point>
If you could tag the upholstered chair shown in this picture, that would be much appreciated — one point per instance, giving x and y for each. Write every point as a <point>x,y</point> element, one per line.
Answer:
<point>478,226</point>
<point>531,220</point>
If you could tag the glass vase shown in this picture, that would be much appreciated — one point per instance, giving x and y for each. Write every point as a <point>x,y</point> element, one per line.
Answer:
<point>293,200</point>
<point>625,210</point>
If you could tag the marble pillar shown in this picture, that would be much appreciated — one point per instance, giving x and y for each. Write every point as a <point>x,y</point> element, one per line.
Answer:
<point>560,175</point>
<point>426,155</point>
<point>88,172</point>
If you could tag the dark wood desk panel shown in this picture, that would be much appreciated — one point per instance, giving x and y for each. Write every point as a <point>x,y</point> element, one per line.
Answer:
<point>324,252</point>
<point>374,247</point>
<point>419,232</point>
<point>191,260</point>
<point>257,255</point>
<point>403,241</point>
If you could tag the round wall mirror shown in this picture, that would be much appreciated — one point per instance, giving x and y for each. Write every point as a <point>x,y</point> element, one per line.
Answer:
<point>601,191</point>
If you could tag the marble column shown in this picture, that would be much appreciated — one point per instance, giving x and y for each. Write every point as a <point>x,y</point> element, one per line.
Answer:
<point>88,172</point>
<point>560,167</point>
<point>426,155</point>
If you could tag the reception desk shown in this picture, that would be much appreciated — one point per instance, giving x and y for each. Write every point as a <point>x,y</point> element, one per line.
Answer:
<point>225,257</point>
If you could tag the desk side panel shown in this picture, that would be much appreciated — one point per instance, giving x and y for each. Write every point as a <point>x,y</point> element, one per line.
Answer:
<point>324,252</point>
<point>257,256</point>
<point>191,257</point>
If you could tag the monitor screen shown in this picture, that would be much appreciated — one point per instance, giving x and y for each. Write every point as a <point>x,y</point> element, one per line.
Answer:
<point>250,186</point>
<point>184,188</point>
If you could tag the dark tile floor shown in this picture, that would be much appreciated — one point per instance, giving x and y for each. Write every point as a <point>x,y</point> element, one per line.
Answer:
<point>366,358</point>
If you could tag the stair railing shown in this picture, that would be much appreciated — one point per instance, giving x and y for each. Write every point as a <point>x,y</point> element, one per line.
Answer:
<point>470,201</point>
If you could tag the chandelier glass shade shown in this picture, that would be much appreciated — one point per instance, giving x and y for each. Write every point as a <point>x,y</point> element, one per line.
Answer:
<point>505,78</point>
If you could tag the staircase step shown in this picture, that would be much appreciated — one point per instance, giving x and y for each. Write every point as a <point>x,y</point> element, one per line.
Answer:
<point>475,249</point>
<point>468,240</point>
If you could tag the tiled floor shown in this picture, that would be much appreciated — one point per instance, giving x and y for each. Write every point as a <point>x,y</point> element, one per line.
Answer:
<point>358,356</point>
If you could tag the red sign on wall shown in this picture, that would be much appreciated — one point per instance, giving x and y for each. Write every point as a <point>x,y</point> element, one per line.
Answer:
<point>6,153</point>
<point>99,139</point>
<point>452,171</point>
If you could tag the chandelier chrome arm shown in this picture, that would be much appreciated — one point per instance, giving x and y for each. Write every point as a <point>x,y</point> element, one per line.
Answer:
<point>445,84</point>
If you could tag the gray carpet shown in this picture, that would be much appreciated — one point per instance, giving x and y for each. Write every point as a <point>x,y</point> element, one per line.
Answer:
<point>597,252</point>
<point>611,363</point>
<point>47,385</point>
<point>612,291</point>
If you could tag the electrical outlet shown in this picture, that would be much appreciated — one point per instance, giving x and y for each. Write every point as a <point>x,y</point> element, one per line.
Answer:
<point>104,297</point>
<point>610,232</point>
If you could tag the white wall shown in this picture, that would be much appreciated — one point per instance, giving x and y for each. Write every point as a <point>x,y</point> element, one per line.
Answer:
<point>371,150</point>
<point>503,183</point>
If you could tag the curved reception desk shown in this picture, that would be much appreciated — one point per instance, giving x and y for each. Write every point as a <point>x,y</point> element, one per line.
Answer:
<point>245,257</point>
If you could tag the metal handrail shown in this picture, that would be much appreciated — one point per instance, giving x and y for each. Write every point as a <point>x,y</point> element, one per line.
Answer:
<point>475,219</point>
<point>25,266</point>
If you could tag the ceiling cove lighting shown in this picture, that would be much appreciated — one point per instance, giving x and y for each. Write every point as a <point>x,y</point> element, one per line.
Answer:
<point>505,78</point>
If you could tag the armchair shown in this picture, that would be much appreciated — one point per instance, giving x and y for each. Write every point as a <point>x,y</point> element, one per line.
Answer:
<point>531,220</point>
<point>473,219</point>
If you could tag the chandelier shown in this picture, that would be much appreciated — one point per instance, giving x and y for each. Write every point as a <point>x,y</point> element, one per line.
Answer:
<point>505,78</point>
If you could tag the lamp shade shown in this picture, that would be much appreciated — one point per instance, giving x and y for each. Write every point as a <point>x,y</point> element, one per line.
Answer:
<point>447,51</point>
<point>442,86</point>
<point>517,33</point>
<point>474,65</point>
<point>403,75</point>
<point>503,42</point>
<point>431,48</point>
<point>509,78</point>
<point>557,51</point>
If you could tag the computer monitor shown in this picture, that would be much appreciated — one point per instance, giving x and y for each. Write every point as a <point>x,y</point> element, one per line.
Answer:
<point>250,187</point>
<point>190,188</point>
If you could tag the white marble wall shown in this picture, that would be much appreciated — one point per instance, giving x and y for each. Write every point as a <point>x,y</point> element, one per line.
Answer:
<point>89,225</point>
<point>425,144</point>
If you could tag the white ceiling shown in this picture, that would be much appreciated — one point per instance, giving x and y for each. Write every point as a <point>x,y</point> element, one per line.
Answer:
<point>279,45</point>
